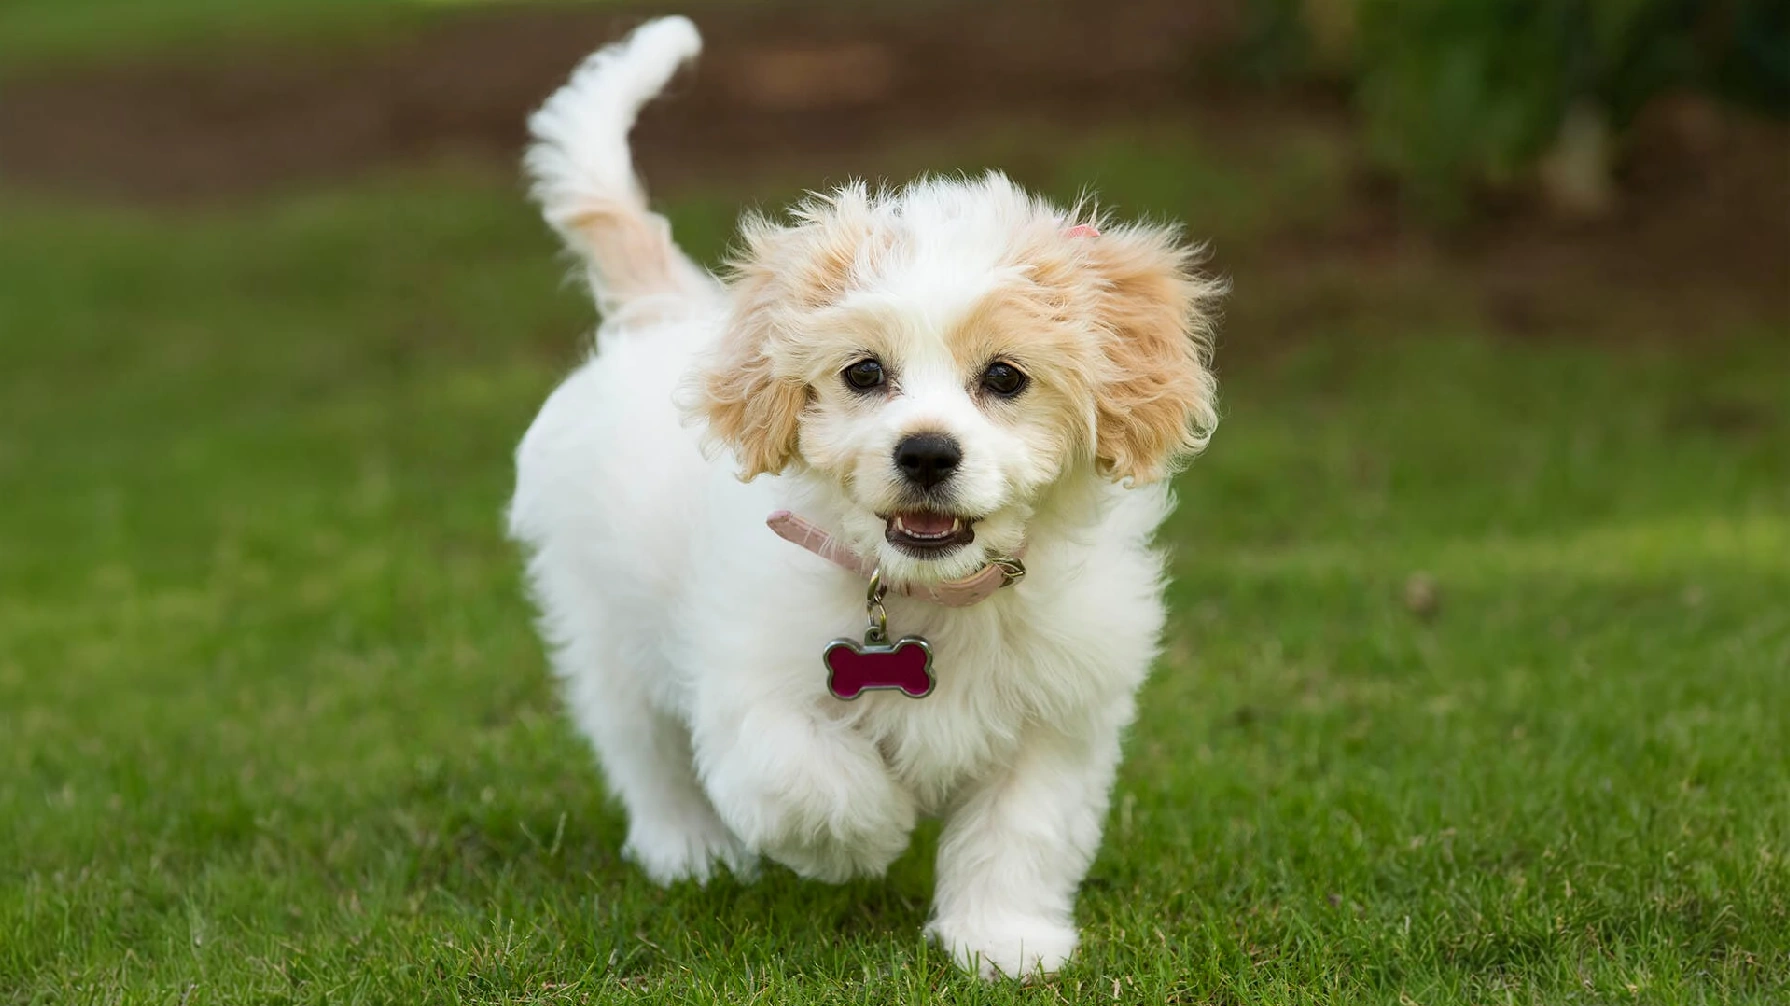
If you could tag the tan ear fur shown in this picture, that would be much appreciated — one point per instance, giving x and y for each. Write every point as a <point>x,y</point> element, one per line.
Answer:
<point>746,404</point>
<point>1157,403</point>
<point>753,394</point>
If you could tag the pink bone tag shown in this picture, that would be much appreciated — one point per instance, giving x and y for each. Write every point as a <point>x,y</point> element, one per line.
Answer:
<point>854,668</point>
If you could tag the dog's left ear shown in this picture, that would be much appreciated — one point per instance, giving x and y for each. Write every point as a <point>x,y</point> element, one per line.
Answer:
<point>1157,402</point>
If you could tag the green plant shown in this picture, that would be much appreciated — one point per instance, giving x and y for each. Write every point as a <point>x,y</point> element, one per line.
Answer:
<point>1458,96</point>
<point>1461,96</point>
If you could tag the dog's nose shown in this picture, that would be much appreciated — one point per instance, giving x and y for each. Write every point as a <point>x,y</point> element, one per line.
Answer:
<point>927,458</point>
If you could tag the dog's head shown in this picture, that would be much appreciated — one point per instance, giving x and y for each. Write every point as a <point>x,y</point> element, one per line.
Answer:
<point>937,360</point>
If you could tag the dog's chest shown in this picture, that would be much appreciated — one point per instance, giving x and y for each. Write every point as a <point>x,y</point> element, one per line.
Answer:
<point>996,677</point>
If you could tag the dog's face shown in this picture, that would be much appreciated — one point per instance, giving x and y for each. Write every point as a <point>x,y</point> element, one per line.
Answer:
<point>938,360</point>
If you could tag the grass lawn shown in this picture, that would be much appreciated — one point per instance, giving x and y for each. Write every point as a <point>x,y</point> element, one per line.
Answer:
<point>57,33</point>
<point>275,727</point>
<point>65,34</point>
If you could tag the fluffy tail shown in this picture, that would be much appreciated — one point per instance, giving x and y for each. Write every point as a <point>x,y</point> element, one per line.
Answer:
<point>583,171</point>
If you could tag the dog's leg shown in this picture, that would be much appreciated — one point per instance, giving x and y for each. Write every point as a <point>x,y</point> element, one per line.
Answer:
<point>802,789</point>
<point>1015,849</point>
<point>673,831</point>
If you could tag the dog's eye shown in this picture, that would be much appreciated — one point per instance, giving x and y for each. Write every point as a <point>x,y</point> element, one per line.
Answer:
<point>865,375</point>
<point>1004,379</point>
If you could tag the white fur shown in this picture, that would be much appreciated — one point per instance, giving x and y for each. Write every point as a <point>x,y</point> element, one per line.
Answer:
<point>689,637</point>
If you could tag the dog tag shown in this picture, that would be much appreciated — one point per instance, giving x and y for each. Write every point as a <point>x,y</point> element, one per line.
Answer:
<point>854,668</point>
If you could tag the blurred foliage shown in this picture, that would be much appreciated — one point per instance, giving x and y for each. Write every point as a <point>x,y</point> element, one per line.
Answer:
<point>1457,96</point>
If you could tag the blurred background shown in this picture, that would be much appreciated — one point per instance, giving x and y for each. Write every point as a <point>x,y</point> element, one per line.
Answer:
<point>1480,587</point>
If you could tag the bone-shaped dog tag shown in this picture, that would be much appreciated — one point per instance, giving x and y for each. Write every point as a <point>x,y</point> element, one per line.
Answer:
<point>854,668</point>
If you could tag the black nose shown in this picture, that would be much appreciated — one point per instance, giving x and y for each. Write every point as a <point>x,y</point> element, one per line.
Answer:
<point>927,458</point>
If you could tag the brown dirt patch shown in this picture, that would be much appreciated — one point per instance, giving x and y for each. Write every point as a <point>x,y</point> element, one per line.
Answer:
<point>1698,244</point>
<point>820,91</point>
<point>776,85</point>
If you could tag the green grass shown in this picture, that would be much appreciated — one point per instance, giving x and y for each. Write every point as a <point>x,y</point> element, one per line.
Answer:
<point>274,725</point>
<point>60,33</point>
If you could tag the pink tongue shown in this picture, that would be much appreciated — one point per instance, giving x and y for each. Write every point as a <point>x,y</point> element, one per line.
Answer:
<point>927,523</point>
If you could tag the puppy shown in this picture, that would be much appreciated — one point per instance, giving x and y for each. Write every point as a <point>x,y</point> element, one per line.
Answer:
<point>955,405</point>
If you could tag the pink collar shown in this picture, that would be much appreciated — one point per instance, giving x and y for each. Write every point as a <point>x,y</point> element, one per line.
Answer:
<point>978,586</point>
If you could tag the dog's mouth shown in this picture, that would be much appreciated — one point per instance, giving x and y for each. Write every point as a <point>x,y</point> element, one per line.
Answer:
<point>924,534</point>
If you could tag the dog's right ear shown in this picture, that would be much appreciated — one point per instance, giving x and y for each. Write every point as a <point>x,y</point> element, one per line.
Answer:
<point>754,389</point>
<point>746,403</point>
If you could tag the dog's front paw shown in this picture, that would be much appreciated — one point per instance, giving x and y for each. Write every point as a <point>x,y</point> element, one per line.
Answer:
<point>830,813</point>
<point>864,849</point>
<point>833,830</point>
<point>1019,947</point>
<point>669,851</point>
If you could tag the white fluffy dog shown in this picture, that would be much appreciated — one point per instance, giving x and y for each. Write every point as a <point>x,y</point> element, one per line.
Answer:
<point>932,386</point>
